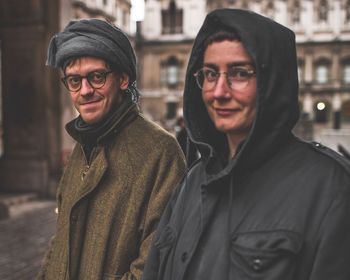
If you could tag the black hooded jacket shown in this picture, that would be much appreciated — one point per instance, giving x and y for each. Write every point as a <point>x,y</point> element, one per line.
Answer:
<point>280,209</point>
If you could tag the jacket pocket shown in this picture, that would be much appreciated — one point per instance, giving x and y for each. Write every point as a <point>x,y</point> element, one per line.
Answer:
<point>264,255</point>
<point>164,245</point>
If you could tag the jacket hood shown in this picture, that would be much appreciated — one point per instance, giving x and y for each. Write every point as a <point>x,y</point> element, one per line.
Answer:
<point>273,51</point>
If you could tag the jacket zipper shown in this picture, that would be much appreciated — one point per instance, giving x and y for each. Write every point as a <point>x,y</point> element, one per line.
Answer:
<point>87,162</point>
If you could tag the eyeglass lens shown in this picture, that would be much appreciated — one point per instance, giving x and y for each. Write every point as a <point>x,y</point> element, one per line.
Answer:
<point>237,78</point>
<point>96,80</point>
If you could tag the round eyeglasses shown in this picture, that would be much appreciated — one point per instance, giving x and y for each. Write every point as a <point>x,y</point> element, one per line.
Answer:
<point>96,80</point>
<point>237,77</point>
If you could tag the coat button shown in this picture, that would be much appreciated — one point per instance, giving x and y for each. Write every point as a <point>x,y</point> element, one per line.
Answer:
<point>318,145</point>
<point>184,256</point>
<point>257,264</point>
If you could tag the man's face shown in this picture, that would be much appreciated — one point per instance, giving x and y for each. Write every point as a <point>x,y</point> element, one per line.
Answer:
<point>230,107</point>
<point>94,104</point>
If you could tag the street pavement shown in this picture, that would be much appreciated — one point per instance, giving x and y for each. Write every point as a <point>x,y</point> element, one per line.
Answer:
<point>24,239</point>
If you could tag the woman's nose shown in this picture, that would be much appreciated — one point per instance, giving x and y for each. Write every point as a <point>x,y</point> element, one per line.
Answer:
<point>221,89</point>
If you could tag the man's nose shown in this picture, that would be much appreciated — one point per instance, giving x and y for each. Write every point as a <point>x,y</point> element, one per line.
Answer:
<point>86,88</point>
<point>222,89</point>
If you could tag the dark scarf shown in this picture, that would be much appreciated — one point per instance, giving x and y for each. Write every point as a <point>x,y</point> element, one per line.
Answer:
<point>89,135</point>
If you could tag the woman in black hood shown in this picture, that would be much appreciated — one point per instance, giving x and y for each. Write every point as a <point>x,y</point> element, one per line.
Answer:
<point>260,203</point>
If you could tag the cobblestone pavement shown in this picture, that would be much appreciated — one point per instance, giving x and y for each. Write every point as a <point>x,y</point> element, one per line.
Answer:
<point>24,239</point>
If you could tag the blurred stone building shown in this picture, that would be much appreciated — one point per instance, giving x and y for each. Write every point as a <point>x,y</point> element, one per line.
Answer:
<point>167,34</point>
<point>34,107</point>
<point>322,30</point>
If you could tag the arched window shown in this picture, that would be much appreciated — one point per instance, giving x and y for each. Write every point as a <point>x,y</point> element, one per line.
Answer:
<point>322,71</point>
<point>170,72</point>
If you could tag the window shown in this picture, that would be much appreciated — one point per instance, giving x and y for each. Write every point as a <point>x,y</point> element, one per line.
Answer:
<point>300,70</point>
<point>172,20</point>
<point>295,12</point>
<point>323,11</point>
<point>346,72</point>
<point>171,110</point>
<point>125,19</point>
<point>347,11</point>
<point>345,111</point>
<point>170,72</point>
<point>322,71</point>
<point>322,74</point>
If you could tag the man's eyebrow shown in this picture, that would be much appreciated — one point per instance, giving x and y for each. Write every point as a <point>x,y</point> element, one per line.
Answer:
<point>100,69</point>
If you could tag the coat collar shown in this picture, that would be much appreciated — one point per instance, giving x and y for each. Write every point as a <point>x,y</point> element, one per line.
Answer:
<point>126,112</point>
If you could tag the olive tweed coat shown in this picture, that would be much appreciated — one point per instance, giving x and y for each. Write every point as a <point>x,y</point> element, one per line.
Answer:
<point>109,208</point>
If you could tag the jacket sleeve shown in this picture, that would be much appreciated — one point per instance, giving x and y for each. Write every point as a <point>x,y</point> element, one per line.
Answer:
<point>169,171</point>
<point>332,260</point>
<point>151,268</point>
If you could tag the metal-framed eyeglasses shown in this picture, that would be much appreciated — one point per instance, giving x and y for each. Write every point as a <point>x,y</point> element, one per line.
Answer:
<point>96,80</point>
<point>237,77</point>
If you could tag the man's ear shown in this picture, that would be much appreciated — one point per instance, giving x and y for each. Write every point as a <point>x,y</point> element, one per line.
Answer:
<point>124,81</point>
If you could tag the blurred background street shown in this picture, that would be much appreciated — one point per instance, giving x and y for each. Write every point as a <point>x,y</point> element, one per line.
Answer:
<point>24,236</point>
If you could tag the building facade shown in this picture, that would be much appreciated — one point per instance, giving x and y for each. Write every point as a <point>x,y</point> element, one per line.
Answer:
<point>115,11</point>
<point>322,29</point>
<point>167,34</point>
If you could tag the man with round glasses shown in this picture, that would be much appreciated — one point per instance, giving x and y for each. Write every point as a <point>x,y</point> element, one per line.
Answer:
<point>260,203</point>
<point>116,183</point>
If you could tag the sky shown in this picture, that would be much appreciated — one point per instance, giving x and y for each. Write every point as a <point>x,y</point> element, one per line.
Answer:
<point>137,10</point>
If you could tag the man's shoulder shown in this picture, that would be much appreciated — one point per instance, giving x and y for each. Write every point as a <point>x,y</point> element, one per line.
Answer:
<point>144,130</point>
